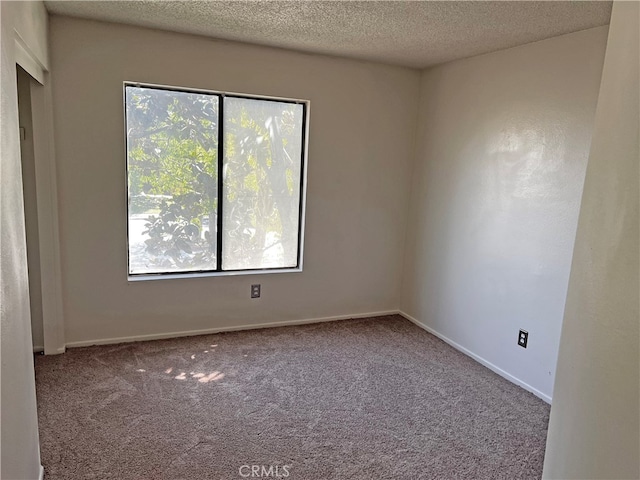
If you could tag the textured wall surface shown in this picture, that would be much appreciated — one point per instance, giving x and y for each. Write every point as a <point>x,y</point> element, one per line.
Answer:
<point>362,127</point>
<point>594,430</point>
<point>20,453</point>
<point>502,149</point>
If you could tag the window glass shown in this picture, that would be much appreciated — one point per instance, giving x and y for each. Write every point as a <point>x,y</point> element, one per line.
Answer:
<point>172,150</point>
<point>261,186</point>
<point>199,205</point>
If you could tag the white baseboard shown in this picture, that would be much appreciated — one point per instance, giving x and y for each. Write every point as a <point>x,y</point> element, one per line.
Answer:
<point>479,359</point>
<point>208,331</point>
<point>38,349</point>
<point>41,474</point>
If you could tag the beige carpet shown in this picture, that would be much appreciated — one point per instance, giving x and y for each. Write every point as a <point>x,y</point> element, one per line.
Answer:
<point>357,399</point>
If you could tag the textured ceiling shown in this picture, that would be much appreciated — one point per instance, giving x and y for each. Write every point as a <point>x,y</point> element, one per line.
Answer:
<point>411,33</point>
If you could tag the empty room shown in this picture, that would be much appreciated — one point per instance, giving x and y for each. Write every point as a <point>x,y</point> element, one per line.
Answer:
<point>320,240</point>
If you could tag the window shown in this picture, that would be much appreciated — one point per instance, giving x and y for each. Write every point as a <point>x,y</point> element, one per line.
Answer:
<point>215,181</point>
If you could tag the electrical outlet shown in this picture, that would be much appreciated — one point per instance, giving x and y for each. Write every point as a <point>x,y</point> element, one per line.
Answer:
<point>523,338</point>
<point>255,291</point>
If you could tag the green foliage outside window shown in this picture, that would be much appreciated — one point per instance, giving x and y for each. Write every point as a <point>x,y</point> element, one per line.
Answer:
<point>173,154</point>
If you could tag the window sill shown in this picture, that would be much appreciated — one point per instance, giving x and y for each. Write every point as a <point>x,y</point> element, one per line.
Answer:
<point>174,276</point>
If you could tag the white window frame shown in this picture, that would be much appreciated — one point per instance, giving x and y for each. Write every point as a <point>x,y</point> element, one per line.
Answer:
<point>136,277</point>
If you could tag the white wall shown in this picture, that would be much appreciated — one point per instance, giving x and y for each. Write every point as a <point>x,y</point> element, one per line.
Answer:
<point>501,153</point>
<point>363,118</point>
<point>594,429</point>
<point>20,458</point>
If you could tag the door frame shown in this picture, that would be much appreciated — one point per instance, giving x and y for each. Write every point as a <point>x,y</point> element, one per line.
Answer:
<point>47,198</point>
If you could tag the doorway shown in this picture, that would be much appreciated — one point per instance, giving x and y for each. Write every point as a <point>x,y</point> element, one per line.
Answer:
<point>27,154</point>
